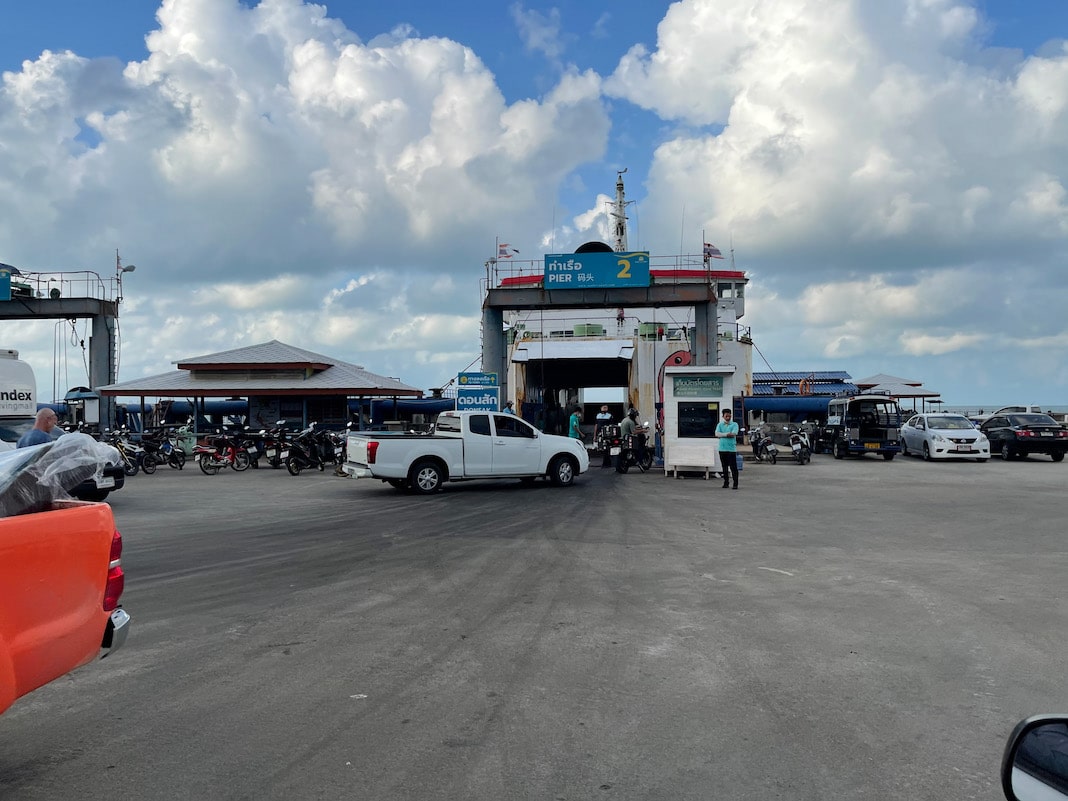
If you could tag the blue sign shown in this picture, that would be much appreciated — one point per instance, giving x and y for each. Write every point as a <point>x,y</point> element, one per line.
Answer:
<point>595,270</point>
<point>5,284</point>
<point>482,398</point>
<point>477,379</point>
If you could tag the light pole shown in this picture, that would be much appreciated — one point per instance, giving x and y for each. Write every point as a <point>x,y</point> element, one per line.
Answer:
<point>119,270</point>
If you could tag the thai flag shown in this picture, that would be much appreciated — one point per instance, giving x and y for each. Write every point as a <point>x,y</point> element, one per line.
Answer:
<point>505,251</point>
<point>712,252</point>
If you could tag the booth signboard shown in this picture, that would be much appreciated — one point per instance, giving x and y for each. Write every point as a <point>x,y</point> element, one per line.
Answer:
<point>697,386</point>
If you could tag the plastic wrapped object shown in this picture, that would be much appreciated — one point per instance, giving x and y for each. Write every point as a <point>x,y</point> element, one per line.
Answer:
<point>32,479</point>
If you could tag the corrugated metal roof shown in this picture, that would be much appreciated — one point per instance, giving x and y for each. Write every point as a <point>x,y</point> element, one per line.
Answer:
<point>788,390</point>
<point>832,375</point>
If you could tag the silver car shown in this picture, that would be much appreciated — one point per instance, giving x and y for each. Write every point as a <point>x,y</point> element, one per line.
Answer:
<point>943,436</point>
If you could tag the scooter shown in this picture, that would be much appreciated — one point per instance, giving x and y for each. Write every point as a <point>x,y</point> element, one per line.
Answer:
<point>634,452</point>
<point>800,446</point>
<point>609,442</point>
<point>764,449</point>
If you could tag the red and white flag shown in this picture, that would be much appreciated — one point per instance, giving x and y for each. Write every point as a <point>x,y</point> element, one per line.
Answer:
<point>505,251</point>
<point>712,252</point>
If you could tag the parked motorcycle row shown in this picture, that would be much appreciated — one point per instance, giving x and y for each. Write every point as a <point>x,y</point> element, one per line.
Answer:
<point>766,450</point>
<point>311,448</point>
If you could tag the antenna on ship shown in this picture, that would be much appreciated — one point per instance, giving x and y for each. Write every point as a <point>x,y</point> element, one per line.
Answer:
<point>619,215</point>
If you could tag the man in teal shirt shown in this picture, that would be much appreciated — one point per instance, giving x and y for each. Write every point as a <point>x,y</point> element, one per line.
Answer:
<point>573,429</point>
<point>726,432</point>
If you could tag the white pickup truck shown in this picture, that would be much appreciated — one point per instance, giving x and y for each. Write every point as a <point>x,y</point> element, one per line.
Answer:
<point>465,445</point>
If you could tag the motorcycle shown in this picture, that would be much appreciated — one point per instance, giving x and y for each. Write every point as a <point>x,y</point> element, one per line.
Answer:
<point>132,455</point>
<point>222,451</point>
<point>160,448</point>
<point>634,453</point>
<point>304,452</point>
<point>609,442</point>
<point>764,449</point>
<point>800,445</point>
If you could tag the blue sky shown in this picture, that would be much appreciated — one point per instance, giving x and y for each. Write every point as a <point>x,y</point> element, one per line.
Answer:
<point>892,174</point>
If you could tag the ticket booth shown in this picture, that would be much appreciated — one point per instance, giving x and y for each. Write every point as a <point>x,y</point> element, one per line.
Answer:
<point>693,399</point>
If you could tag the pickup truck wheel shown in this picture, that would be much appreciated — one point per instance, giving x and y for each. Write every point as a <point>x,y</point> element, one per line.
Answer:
<point>562,471</point>
<point>426,477</point>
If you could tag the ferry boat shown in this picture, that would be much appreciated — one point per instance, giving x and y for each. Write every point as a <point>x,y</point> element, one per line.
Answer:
<point>608,321</point>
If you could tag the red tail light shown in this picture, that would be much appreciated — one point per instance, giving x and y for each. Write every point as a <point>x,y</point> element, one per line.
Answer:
<point>372,451</point>
<point>1025,433</point>
<point>116,578</point>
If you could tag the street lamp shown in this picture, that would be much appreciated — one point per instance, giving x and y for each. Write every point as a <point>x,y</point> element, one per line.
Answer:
<point>120,268</point>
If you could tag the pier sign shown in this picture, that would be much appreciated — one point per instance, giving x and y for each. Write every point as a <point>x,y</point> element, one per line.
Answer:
<point>596,270</point>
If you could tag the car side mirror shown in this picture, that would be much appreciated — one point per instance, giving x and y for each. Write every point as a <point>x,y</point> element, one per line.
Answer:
<point>1035,764</point>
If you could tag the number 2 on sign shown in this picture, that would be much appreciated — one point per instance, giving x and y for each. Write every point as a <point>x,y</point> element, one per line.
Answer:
<point>624,271</point>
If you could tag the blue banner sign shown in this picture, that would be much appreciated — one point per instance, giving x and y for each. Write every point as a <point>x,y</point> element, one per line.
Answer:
<point>477,379</point>
<point>483,398</point>
<point>594,270</point>
<point>5,284</point>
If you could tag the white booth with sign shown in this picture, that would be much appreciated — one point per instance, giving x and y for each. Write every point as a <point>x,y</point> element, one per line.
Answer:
<point>693,400</point>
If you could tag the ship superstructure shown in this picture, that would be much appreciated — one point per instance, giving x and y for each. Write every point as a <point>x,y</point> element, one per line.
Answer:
<point>607,318</point>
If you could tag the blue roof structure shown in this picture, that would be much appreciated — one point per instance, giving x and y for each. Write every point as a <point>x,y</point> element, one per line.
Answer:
<point>813,376</point>
<point>787,390</point>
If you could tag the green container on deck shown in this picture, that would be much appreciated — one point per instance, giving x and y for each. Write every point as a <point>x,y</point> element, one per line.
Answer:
<point>589,330</point>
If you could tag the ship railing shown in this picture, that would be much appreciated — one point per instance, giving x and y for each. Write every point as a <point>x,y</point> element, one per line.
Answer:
<point>57,285</point>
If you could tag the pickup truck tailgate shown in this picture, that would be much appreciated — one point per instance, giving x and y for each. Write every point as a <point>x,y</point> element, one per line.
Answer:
<point>357,449</point>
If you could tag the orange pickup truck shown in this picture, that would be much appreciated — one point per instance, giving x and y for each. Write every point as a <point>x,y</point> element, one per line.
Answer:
<point>60,582</point>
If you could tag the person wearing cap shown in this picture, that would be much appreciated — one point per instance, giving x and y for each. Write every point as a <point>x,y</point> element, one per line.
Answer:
<point>509,408</point>
<point>727,433</point>
<point>604,417</point>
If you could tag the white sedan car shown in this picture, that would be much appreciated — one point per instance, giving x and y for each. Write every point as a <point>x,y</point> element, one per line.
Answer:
<point>943,436</point>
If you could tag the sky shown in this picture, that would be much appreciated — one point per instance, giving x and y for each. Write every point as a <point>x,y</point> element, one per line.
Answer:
<point>890,174</point>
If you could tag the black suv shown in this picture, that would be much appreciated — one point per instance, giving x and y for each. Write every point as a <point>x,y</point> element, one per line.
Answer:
<point>1016,436</point>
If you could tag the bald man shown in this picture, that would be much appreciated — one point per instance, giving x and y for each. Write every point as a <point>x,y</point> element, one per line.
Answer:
<point>42,429</point>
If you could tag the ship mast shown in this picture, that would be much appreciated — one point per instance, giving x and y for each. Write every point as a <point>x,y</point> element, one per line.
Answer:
<point>619,215</point>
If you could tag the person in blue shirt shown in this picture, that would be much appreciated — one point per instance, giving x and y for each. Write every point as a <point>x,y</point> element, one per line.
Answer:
<point>509,408</point>
<point>42,429</point>
<point>726,433</point>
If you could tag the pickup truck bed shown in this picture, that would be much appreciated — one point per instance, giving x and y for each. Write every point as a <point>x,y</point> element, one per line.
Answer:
<point>60,581</point>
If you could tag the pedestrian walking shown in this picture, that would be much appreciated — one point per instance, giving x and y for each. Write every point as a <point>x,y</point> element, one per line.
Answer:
<point>574,429</point>
<point>727,433</point>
